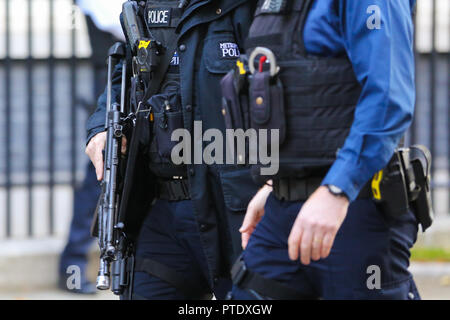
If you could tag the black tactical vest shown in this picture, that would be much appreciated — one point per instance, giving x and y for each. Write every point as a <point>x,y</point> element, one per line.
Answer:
<point>318,97</point>
<point>161,17</point>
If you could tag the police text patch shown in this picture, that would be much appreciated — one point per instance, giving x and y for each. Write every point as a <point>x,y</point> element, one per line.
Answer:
<point>273,6</point>
<point>159,17</point>
<point>175,59</point>
<point>229,50</point>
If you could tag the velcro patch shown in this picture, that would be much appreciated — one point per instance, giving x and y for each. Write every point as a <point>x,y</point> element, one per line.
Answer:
<point>229,50</point>
<point>159,17</point>
<point>273,6</point>
<point>175,59</point>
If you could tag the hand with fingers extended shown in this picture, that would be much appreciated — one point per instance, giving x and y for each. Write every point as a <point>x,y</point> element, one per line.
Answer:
<point>255,212</point>
<point>95,149</point>
<point>316,226</point>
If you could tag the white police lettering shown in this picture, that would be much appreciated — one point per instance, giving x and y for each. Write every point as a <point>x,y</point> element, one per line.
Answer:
<point>229,50</point>
<point>266,5</point>
<point>175,59</point>
<point>159,16</point>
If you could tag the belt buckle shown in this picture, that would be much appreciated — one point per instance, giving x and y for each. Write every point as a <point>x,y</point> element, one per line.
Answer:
<point>238,271</point>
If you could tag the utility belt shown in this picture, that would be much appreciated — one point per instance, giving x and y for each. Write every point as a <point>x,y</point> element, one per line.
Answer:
<point>403,185</point>
<point>300,189</point>
<point>173,190</point>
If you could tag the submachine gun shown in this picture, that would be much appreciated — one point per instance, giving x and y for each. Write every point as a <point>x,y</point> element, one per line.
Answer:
<point>112,240</point>
<point>113,224</point>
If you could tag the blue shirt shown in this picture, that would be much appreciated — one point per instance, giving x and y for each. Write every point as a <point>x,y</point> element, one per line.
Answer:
<point>379,43</point>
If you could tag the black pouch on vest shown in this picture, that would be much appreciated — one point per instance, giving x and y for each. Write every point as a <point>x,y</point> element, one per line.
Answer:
<point>235,100</point>
<point>267,103</point>
<point>167,117</point>
<point>420,159</point>
<point>235,107</point>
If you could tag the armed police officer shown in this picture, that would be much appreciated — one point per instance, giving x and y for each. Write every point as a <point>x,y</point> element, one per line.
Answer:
<point>336,79</point>
<point>175,214</point>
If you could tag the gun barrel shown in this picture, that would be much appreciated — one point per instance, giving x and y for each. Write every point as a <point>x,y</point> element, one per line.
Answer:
<point>108,206</point>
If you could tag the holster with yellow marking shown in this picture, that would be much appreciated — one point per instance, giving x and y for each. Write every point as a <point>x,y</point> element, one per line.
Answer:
<point>235,105</point>
<point>405,185</point>
<point>235,108</point>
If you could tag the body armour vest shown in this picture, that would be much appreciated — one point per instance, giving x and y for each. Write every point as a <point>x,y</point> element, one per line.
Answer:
<point>311,99</point>
<point>161,17</point>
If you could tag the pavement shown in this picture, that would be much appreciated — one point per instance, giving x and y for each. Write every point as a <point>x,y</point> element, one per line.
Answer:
<point>55,294</point>
<point>432,279</point>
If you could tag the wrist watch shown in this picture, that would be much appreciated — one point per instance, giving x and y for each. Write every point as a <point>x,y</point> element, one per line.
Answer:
<point>336,191</point>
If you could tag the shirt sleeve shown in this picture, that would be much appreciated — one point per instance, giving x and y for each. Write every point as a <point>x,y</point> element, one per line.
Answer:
<point>378,39</point>
<point>96,122</point>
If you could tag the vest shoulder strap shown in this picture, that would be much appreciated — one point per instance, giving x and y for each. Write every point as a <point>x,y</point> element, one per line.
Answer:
<point>280,26</point>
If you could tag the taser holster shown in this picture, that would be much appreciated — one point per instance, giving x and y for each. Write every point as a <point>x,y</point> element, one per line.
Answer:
<point>420,158</point>
<point>405,184</point>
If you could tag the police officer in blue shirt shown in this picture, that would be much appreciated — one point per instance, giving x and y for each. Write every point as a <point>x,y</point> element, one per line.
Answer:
<point>185,248</point>
<point>346,72</point>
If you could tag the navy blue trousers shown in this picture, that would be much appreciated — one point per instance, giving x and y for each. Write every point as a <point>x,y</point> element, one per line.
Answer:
<point>368,240</point>
<point>80,239</point>
<point>170,235</point>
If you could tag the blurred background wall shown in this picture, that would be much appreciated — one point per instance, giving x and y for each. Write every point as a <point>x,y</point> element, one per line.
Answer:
<point>46,90</point>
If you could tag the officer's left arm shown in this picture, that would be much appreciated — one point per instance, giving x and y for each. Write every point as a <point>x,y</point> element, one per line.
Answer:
<point>383,61</point>
<point>378,37</point>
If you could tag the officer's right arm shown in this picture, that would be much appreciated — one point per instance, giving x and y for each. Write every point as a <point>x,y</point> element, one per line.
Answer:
<point>96,135</point>
<point>255,212</point>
